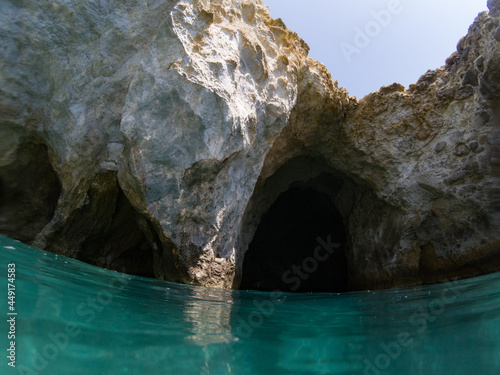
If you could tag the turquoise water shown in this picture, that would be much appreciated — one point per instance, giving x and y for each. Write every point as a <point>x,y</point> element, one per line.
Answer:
<point>73,318</point>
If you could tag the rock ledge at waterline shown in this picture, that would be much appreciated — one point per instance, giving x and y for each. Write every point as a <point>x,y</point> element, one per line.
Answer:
<point>151,137</point>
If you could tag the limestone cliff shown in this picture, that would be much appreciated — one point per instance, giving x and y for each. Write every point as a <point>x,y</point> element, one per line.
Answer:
<point>152,137</point>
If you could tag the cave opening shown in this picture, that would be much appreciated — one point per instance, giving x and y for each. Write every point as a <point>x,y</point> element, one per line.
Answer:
<point>299,246</point>
<point>123,240</point>
<point>29,191</point>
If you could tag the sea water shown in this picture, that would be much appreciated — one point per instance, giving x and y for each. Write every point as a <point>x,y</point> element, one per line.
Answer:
<point>74,318</point>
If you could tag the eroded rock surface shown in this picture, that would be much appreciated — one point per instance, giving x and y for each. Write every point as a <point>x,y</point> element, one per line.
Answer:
<point>153,137</point>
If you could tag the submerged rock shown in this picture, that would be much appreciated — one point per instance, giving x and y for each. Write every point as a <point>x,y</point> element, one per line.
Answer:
<point>152,138</point>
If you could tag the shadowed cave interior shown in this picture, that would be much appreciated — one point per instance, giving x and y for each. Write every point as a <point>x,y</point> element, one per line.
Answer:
<point>29,190</point>
<point>105,231</point>
<point>126,242</point>
<point>299,246</point>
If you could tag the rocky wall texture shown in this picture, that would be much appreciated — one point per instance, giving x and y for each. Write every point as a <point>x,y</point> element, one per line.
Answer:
<point>151,137</point>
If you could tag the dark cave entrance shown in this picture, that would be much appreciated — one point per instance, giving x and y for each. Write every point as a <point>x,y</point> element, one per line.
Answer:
<point>299,246</point>
<point>29,191</point>
<point>122,244</point>
<point>116,236</point>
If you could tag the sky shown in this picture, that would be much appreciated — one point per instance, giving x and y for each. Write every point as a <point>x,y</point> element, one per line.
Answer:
<point>367,44</point>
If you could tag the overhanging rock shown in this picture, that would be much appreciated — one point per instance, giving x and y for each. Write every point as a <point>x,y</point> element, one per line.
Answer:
<point>167,129</point>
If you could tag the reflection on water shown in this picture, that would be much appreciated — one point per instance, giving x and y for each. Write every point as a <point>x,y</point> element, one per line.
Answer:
<point>74,318</point>
<point>209,312</point>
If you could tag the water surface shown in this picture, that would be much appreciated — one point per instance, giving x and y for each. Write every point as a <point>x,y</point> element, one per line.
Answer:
<point>74,318</point>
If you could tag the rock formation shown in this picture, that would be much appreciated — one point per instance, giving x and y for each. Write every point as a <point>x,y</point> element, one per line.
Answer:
<point>154,137</point>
